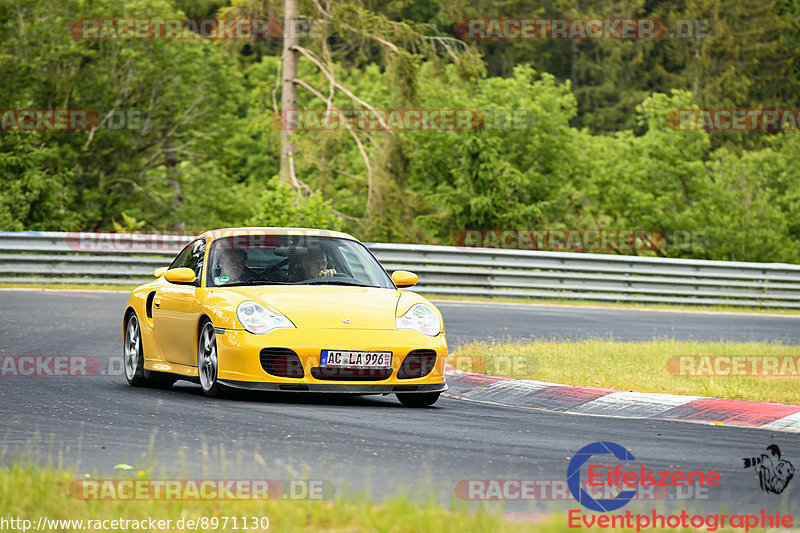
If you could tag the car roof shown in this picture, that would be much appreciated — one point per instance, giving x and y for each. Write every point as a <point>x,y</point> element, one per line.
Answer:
<point>232,232</point>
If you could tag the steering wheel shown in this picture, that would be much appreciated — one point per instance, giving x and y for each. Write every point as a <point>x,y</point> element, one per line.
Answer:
<point>275,266</point>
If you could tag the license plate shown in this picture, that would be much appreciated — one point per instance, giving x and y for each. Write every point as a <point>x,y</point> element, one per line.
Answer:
<point>345,359</point>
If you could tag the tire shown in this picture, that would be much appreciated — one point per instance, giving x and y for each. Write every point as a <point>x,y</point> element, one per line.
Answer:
<point>419,399</point>
<point>132,357</point>
<point>207,361</point>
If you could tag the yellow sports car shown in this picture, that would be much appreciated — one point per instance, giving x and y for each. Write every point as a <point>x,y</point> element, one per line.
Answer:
<point>284,309</point>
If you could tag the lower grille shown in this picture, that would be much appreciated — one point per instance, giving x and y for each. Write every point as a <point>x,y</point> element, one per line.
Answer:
<point>281,362</point>
<point>351,374</point>
<point>417,364</point>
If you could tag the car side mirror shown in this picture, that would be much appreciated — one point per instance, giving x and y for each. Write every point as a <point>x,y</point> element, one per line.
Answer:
<point>180,275</point>
<point>160,271</point>
<point>404,278</point>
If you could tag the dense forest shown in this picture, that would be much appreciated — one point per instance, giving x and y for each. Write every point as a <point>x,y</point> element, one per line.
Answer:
<point>562,133</point>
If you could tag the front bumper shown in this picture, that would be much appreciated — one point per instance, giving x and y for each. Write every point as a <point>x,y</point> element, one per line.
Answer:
<point>240,365</point>
<point>338,388</point>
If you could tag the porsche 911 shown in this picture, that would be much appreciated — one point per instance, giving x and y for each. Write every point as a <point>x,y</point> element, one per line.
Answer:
<point>284,309</point>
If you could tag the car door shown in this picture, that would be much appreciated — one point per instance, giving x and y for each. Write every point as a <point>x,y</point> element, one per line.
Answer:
<point>176,309</point>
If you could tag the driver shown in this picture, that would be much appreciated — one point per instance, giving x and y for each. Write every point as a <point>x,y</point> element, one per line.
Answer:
<point>232,267</point>
<point>314,265</point>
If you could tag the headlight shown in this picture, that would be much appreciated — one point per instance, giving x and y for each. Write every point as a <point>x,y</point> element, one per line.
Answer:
<point>421,318</point>
<point>259,320</point>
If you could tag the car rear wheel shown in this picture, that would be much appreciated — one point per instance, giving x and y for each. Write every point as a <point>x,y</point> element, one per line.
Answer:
<point>418,399</point>
<point>207,361</point>
<point>132,353</point>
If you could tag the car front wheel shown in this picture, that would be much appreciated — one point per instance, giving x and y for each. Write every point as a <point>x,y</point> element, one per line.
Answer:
<point>207,361</point>
<point>132,353</point>
<point>418,399</point>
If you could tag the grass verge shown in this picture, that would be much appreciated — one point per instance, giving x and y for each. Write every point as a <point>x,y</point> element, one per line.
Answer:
<point>29,492</point>
<point>619,305</point>
<point>635,366</point>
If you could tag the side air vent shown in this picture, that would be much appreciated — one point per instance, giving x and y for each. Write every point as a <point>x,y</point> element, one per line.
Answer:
<point>281,362</point>
<point>149,304</point>
<point>417,364</point>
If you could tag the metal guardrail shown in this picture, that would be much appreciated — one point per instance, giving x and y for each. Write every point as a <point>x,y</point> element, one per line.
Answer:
<point>37,257</point>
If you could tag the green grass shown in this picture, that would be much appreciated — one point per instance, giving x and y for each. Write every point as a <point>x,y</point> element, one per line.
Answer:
<point>28,492</point>
<point>619,305</point>
<point>628,366</point>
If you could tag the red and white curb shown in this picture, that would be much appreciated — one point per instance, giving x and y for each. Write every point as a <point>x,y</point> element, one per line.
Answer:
<point>607,402</point>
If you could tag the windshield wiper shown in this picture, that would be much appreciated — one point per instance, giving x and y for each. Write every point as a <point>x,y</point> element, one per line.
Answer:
<point>338,282</point>
<point>254,282</point>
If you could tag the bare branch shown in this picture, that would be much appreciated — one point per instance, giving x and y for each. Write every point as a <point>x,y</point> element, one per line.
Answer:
<point>348,217</point>
<point>384,42</point>
<point>311,89</point>
<point>345,173</point>
<point>141,189</point>
<point>307,53</point>
<point>449,44</point>
<point>361,149</point>
<point>365,157</point>
<point>293,177</point>
<point>323,11</point>
<point>96,126</point>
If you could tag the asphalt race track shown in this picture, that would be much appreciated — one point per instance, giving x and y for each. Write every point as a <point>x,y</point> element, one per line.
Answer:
<point>367,443</point>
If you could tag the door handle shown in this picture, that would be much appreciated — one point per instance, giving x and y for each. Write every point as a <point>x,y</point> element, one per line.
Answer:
<point>157,302</point>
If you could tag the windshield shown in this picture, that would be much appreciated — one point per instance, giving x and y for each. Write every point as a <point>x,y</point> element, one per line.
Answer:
<point>263,259</point>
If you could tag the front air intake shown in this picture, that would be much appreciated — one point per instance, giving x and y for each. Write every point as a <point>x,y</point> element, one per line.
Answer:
<point>281,362</point>
<point>417,364</point>
<point>351,374</point>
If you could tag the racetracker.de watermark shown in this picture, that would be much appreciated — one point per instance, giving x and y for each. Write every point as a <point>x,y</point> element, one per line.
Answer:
<point>594,240</point>
<point>201,489</point>
<point>558,490</point>
<point>785,366</point>
<point>59,366</point>
<point>494,364</point>
<point>734,119</point>
<point>71,119</point>
<point>377,119</point>
<point>404,119</point>
<point>171,29</point>
<point>581,240</point>
<point>110,241</point>
<point>151,241</point>
<point>572,29</point>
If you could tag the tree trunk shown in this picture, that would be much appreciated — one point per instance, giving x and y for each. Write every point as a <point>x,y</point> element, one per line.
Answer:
<point>288,89</point>
<point>573,74</point>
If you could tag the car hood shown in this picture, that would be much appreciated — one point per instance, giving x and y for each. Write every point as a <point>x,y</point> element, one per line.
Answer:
<point>331,307</point>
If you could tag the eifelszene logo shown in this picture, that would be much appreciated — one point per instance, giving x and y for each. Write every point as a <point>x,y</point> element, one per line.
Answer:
<point>574,476</point>
<point>624,476</point>
<point>774,473</point>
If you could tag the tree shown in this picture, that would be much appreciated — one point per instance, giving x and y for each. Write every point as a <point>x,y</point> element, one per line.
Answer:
<point>348,33</point>
<point>177,99</point>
